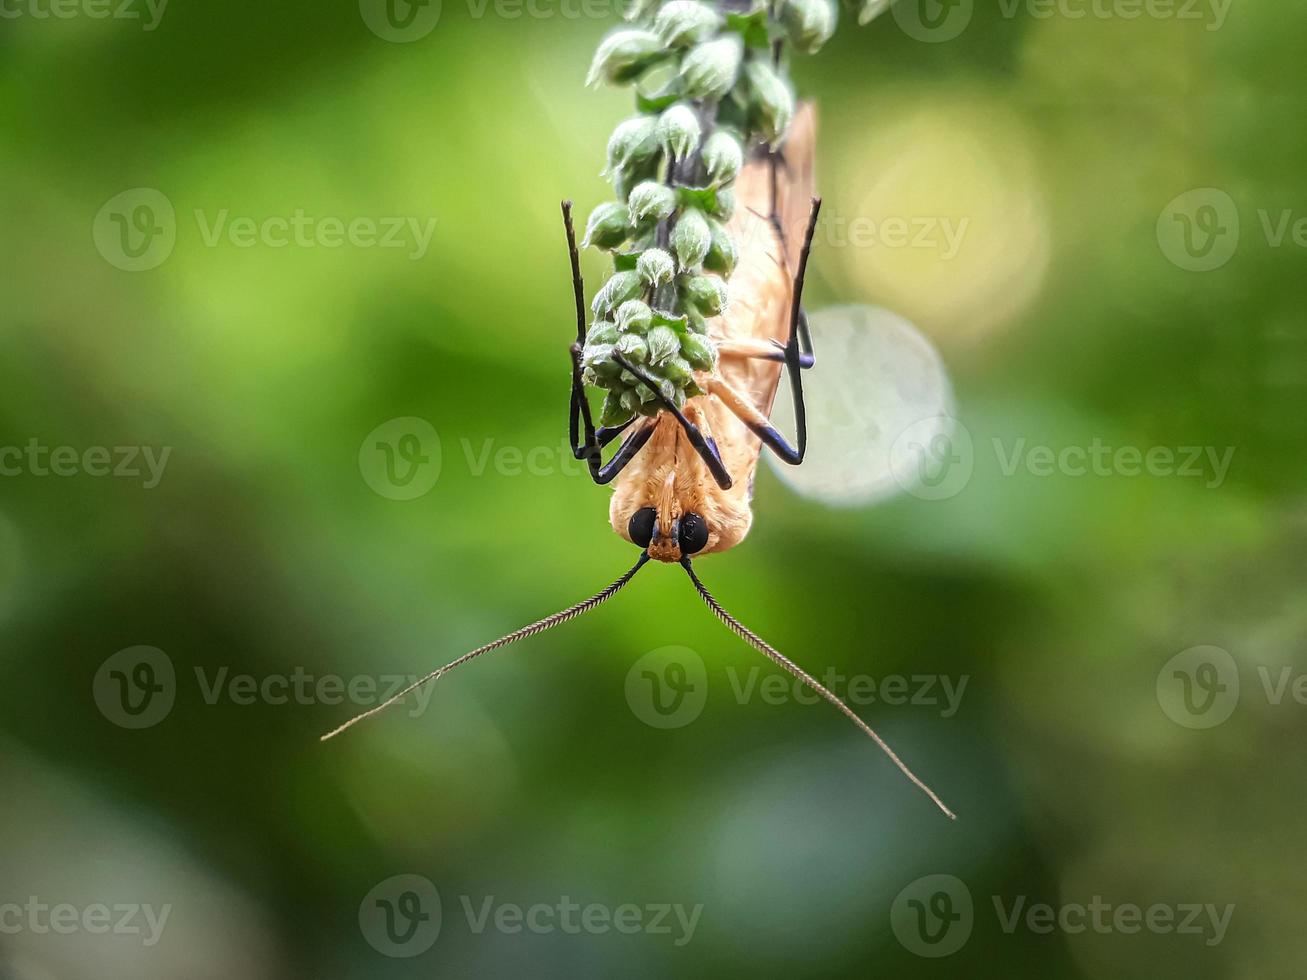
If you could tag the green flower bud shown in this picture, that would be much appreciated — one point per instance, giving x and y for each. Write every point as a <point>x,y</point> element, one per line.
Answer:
<point>706,293</point>
<point>710,69</point>
<point>722,254</point>
<point>633,348</point>
<point>651,201</point>
<point>684,22</point>
<point>637,9</point>
<point>869,10</point>
<point>677,371</point>
<point>609,226</point>
<point>633,141</point>
<point>772,101</point>
<point>635,173</point>
<point>723,156</point>
<point>810,23</point>
<point>631,402</point>
<point>614,412</point>
<point>700,352</point>
<point>664,342</point>
<point>672,393</point>
<point>623,55</point>
<point>679,130</point>
<point>634,316</point>
<point>725,203</point>
<point>655,267</point>
<point>620,287</point>
<point>597,360</point>
<point>601,332</point>
<point>691,238</point>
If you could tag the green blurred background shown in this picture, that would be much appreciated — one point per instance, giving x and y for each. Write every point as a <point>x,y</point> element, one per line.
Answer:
<point>1074,310</point>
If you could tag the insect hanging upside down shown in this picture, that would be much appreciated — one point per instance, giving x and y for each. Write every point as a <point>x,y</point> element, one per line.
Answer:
<point>684,477</point>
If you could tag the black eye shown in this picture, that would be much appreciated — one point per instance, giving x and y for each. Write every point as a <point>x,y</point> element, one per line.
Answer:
<point>641,527</point>
<point>693,534</point>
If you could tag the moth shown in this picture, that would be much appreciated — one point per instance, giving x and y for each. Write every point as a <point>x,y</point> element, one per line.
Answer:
<point>683,479</point>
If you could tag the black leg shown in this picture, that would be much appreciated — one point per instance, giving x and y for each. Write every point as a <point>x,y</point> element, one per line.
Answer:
<point>595,440</point>
<point>578,403</point>
<point>794,356</point>
<point>795,360</point>
<point>579,410</point>
<point>773,439</point>
<point>578,286</point>
<point>805,341</point>
<point>625,453</point>
<point>705,447</point>
<point>808,356</point>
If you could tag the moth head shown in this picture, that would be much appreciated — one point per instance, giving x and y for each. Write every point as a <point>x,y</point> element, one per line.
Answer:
<point>669,520</point>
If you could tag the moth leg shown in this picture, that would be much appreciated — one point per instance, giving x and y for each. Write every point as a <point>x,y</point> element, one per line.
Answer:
<point>699,419</point>
<point>808,356</point>
<point>778,162</point>
<point>764,350</point>
<point>706,448</point>
<point>605,474</point>
<point>793,359</point>
<point>579,406</point>
<point>744,409</point>
<point>595,440</point>
<point>603,435</point>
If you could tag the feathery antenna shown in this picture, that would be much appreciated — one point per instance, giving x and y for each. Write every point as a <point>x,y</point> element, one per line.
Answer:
<point>549,622</point>
<point>758,643</point>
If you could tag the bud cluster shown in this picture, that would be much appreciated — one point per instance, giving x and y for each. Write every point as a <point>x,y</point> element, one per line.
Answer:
<point>709,87</point>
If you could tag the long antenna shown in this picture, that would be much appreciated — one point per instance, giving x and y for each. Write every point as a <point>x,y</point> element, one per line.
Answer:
<point>758,643</point>
<point>549,622</point>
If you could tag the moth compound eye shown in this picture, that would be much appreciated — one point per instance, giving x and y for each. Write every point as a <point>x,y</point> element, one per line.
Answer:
<point>693,534</point>
<point>641,527</point>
